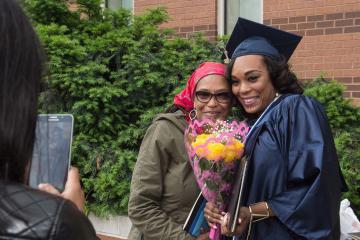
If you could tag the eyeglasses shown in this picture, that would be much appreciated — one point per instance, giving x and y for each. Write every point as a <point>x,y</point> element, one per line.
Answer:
<point>205,97</point>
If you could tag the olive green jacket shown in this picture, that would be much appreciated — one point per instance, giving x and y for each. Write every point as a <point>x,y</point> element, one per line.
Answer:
<point>163,186</point>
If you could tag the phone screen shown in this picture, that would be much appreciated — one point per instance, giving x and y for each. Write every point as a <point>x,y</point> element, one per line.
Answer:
<point>52,150</point>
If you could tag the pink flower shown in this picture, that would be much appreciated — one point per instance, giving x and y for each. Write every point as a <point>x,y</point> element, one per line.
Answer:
<point>199,130</point>
<point>215,139</point>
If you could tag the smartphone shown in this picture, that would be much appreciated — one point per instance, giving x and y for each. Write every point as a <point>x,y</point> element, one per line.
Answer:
<point>52,150</point>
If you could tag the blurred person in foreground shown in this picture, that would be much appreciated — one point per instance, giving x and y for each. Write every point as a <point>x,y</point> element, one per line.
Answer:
<point>27,213</point>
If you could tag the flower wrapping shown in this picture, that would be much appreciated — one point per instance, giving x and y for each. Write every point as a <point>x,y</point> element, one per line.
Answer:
<point>214,148</point>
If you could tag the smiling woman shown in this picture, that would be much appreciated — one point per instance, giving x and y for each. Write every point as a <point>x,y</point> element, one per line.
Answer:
<point>213,97</point>
<point>251,84</point>
<point>163,187</point>
<point>293,166</point>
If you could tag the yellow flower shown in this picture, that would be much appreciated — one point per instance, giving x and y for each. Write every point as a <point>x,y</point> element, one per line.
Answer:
<point>232,150</point>
<point>215,151</point>
<point>239,145</point>
<point>200,139</point>
<point>230,156</point>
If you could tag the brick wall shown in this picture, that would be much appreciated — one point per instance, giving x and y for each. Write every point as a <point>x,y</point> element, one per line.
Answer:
<point>186,16</point>
<point>331,43</point>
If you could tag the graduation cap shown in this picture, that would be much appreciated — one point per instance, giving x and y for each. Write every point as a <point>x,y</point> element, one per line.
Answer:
<point>252,38</point>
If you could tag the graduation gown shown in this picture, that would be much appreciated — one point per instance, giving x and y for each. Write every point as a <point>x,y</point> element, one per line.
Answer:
<point>294,167</point>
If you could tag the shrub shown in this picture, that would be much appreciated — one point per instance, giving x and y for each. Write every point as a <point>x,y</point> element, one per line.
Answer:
<point>344,119</point>
<point>341,113</point>
<point>348,149</point>
<point>113,72</point>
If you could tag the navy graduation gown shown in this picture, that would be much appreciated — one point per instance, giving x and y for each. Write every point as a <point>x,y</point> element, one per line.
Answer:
<point>294,167</point>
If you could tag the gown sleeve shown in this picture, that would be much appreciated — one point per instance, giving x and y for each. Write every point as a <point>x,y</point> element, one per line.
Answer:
<point>309,205</point>
<point>147,184</point>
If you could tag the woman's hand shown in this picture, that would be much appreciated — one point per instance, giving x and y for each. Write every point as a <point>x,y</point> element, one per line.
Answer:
<point>213,215</point>
<point>72,190</point>
<point>243,220</point>
<point>216,218</point>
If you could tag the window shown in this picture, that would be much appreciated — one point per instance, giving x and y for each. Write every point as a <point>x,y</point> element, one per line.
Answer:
<point>230,10</point>
<point>116,4</point>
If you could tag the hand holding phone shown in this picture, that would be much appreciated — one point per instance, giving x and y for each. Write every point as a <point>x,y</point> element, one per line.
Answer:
<point>52,151</point>
<point>72,190</point>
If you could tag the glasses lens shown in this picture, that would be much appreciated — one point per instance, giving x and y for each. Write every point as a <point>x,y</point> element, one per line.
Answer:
<point>223,97</point>
<point>203,96</point>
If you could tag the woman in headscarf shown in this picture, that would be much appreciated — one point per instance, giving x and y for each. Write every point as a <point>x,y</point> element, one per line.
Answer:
<point>163,187</point>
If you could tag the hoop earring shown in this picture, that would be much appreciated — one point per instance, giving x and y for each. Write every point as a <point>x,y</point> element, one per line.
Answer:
<point>192,114</point>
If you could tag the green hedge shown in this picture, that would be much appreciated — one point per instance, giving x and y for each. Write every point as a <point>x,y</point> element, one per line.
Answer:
<point>344,120</point>
<point>114,72</point>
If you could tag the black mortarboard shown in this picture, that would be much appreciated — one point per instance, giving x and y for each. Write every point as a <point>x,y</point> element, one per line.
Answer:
<point>252,38</point>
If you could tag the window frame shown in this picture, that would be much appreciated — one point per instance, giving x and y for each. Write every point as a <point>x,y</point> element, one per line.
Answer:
<point>222,16</point>
<point>106,4</point>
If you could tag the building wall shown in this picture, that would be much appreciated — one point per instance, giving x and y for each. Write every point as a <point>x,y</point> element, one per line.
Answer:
<point>331,30</point>
<point>186,16</point>
<point>331,43</point>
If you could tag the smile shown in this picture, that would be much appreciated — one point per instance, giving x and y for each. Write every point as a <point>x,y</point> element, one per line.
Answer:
<point>249,101</point>
<point>212,113</point>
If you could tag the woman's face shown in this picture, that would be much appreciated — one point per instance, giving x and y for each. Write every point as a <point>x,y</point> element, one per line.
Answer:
<point>251,84</point>
<point>212,98</point>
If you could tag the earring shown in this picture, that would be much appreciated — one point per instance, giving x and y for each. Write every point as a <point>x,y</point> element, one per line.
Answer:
<point>192,114</point>
<point>227,59</point>
<point>277,94</point>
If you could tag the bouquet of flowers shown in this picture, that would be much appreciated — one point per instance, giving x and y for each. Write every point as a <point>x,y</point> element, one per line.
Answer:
<point>214,148</point>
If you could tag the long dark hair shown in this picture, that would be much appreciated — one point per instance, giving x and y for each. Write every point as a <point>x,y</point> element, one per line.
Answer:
<point>21,61</point>
<point>281,76</point>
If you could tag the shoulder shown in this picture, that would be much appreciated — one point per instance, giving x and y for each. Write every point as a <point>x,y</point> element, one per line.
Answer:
<point>295,108</point>
<point>168,122</point>
<point>73,224</point>
<point>297,103</point>
<point>300,100</point>
<point>176,117</point>
<point>300,112</point>
<point>22,195</point>
<point>39,207</point>
<point>297,99</point>
<point>36,206</point>
<point>165,129</point>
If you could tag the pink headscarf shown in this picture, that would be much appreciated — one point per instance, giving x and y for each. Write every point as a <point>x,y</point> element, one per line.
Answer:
<point>185,98</point>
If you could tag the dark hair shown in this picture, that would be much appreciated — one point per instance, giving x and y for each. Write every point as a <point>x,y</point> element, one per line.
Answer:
<point>21,61</point>
<point>281,76</point>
